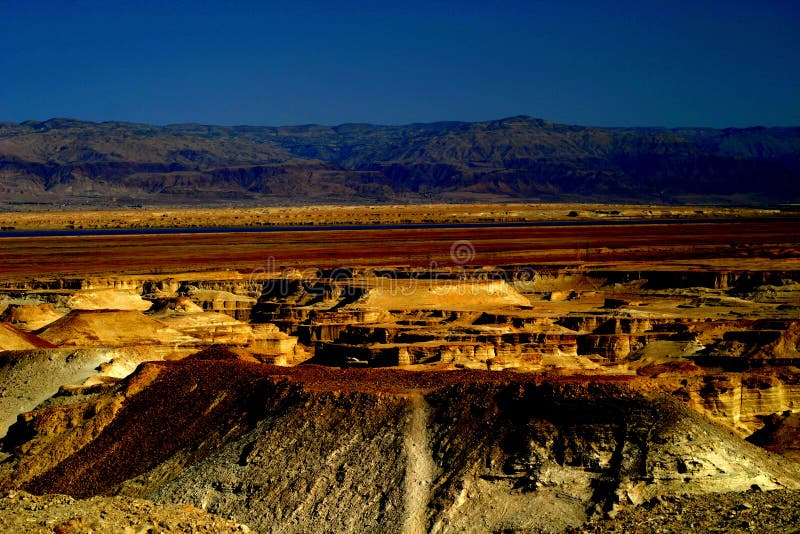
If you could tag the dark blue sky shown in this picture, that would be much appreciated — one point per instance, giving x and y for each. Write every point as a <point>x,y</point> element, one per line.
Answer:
<point>604,63</point>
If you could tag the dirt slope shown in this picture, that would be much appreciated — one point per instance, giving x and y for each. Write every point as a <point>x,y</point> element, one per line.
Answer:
<point>29,377</point>
<point>22,512</point>
<point>12,338</point>
<point>104,328</point>
<point>31,318</point>
<point>292,448</point>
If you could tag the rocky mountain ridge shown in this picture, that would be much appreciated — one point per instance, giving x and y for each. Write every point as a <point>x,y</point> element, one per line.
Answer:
<point>115,163</point>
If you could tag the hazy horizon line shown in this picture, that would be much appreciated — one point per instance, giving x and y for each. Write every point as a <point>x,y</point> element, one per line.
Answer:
<point>395,124</point>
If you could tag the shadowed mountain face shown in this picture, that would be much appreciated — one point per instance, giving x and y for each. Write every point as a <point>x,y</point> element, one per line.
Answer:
<point>63,160</point>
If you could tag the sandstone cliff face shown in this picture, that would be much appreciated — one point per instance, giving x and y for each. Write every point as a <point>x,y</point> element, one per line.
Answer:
<point>780,434</point>
<point>236,305</point>
<point>289,449</point>
<point>741,401</point>
<point>770,342</point>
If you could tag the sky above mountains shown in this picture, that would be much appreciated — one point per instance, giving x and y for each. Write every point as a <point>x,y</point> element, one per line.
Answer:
<point>602,63</point>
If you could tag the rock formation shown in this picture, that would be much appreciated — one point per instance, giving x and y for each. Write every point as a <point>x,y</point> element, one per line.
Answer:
<point>434,398</point>
<point>106,299</point>
<point>279,448</point>
<point>105,328</point>
<point>31,318</point>
<point>63,160</point>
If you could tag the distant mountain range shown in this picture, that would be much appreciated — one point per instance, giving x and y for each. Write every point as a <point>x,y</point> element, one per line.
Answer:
<point>64,161</point>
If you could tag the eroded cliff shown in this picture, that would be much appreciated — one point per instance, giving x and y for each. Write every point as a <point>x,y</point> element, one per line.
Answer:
<point>353,450</point>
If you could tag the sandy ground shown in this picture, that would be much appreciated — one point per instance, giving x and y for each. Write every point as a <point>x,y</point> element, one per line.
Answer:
<point>753,511</point>
<point>22,512</point>
<point>360,215</point>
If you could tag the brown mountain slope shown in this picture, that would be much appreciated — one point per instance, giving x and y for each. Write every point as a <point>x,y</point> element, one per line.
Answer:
<point>116,163</point>
<point>353,450</point>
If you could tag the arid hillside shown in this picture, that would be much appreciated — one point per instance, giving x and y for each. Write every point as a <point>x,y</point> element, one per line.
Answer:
<point>62,161</point>
<point>349,450</point>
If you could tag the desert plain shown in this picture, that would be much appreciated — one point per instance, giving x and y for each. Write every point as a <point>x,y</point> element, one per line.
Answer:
<point>434,368</point>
